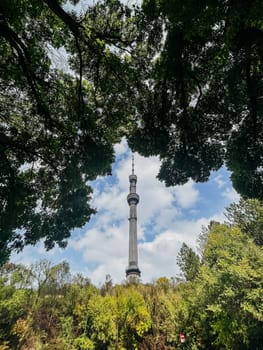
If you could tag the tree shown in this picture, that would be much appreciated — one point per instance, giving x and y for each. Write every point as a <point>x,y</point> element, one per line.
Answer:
<point>100,321</point>
<point>201,104</point>
<point>57,127</point>
<point>248,216</point>
<point>159,300</point>
<point>50,279</point>
<point>133,319</point>
<point>229,290</point>
<point>15,303</point>
<point>188,261</point>
<point>119,320</point>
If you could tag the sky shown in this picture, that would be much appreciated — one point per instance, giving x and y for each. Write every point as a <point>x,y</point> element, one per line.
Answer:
<point>167,217</point>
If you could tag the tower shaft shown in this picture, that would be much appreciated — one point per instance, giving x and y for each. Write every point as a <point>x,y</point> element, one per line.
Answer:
<point>133,253</point>
<point>133,272</point>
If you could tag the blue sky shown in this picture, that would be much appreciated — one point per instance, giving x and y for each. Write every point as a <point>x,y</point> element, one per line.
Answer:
<point>167,217</point>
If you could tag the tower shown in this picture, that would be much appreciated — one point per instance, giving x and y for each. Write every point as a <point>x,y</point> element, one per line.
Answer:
<point>132,272</point>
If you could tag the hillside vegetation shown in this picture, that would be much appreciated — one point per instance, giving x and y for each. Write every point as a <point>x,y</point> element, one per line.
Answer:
<point>216,302</point>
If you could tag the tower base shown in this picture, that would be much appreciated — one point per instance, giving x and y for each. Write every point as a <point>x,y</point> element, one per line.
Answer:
<point>133,274</point>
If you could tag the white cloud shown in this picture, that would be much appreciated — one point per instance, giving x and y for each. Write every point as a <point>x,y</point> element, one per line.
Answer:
<point>231,195</point>
<point>219,181</point>
<point>186,195</point>
<point>109,250</point>
<point>121,148</point>
<point>32,254</point>
<point>106,245</point>
<point>158,257</point>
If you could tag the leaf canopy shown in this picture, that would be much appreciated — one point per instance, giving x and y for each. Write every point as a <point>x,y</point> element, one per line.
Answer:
<point>57,127</point>
<point>202,104</point>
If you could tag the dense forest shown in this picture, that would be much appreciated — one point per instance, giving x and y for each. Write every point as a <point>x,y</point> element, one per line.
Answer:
<point>216,302</point>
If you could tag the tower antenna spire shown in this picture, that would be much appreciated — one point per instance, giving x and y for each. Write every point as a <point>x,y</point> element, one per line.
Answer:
<point>133,272</point>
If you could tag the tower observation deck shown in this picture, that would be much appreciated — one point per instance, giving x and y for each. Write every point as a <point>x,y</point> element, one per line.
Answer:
<point>132,272</point>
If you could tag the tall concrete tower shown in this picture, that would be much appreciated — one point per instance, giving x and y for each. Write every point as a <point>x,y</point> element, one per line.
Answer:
<point>132,272</point>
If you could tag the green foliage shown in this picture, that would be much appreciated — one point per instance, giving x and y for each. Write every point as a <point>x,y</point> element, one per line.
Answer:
<point>201,104</point>
<point>58,126</point>
<point>84,343</point>
<point>66,332</point>
<point>133,318</point>
<point>231,279</point>
<point>14,304</point>
<point>160,302</point>
<point>101,320</point>
<point>188,261</point>
<point>248,215</point>
<point>219,308</point>
<point>119,320</point>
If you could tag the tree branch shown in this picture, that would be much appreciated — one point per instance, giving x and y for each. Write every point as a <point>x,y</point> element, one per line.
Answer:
<point>21,50</point>
<point>70,22</point>
<point>80,95</point>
